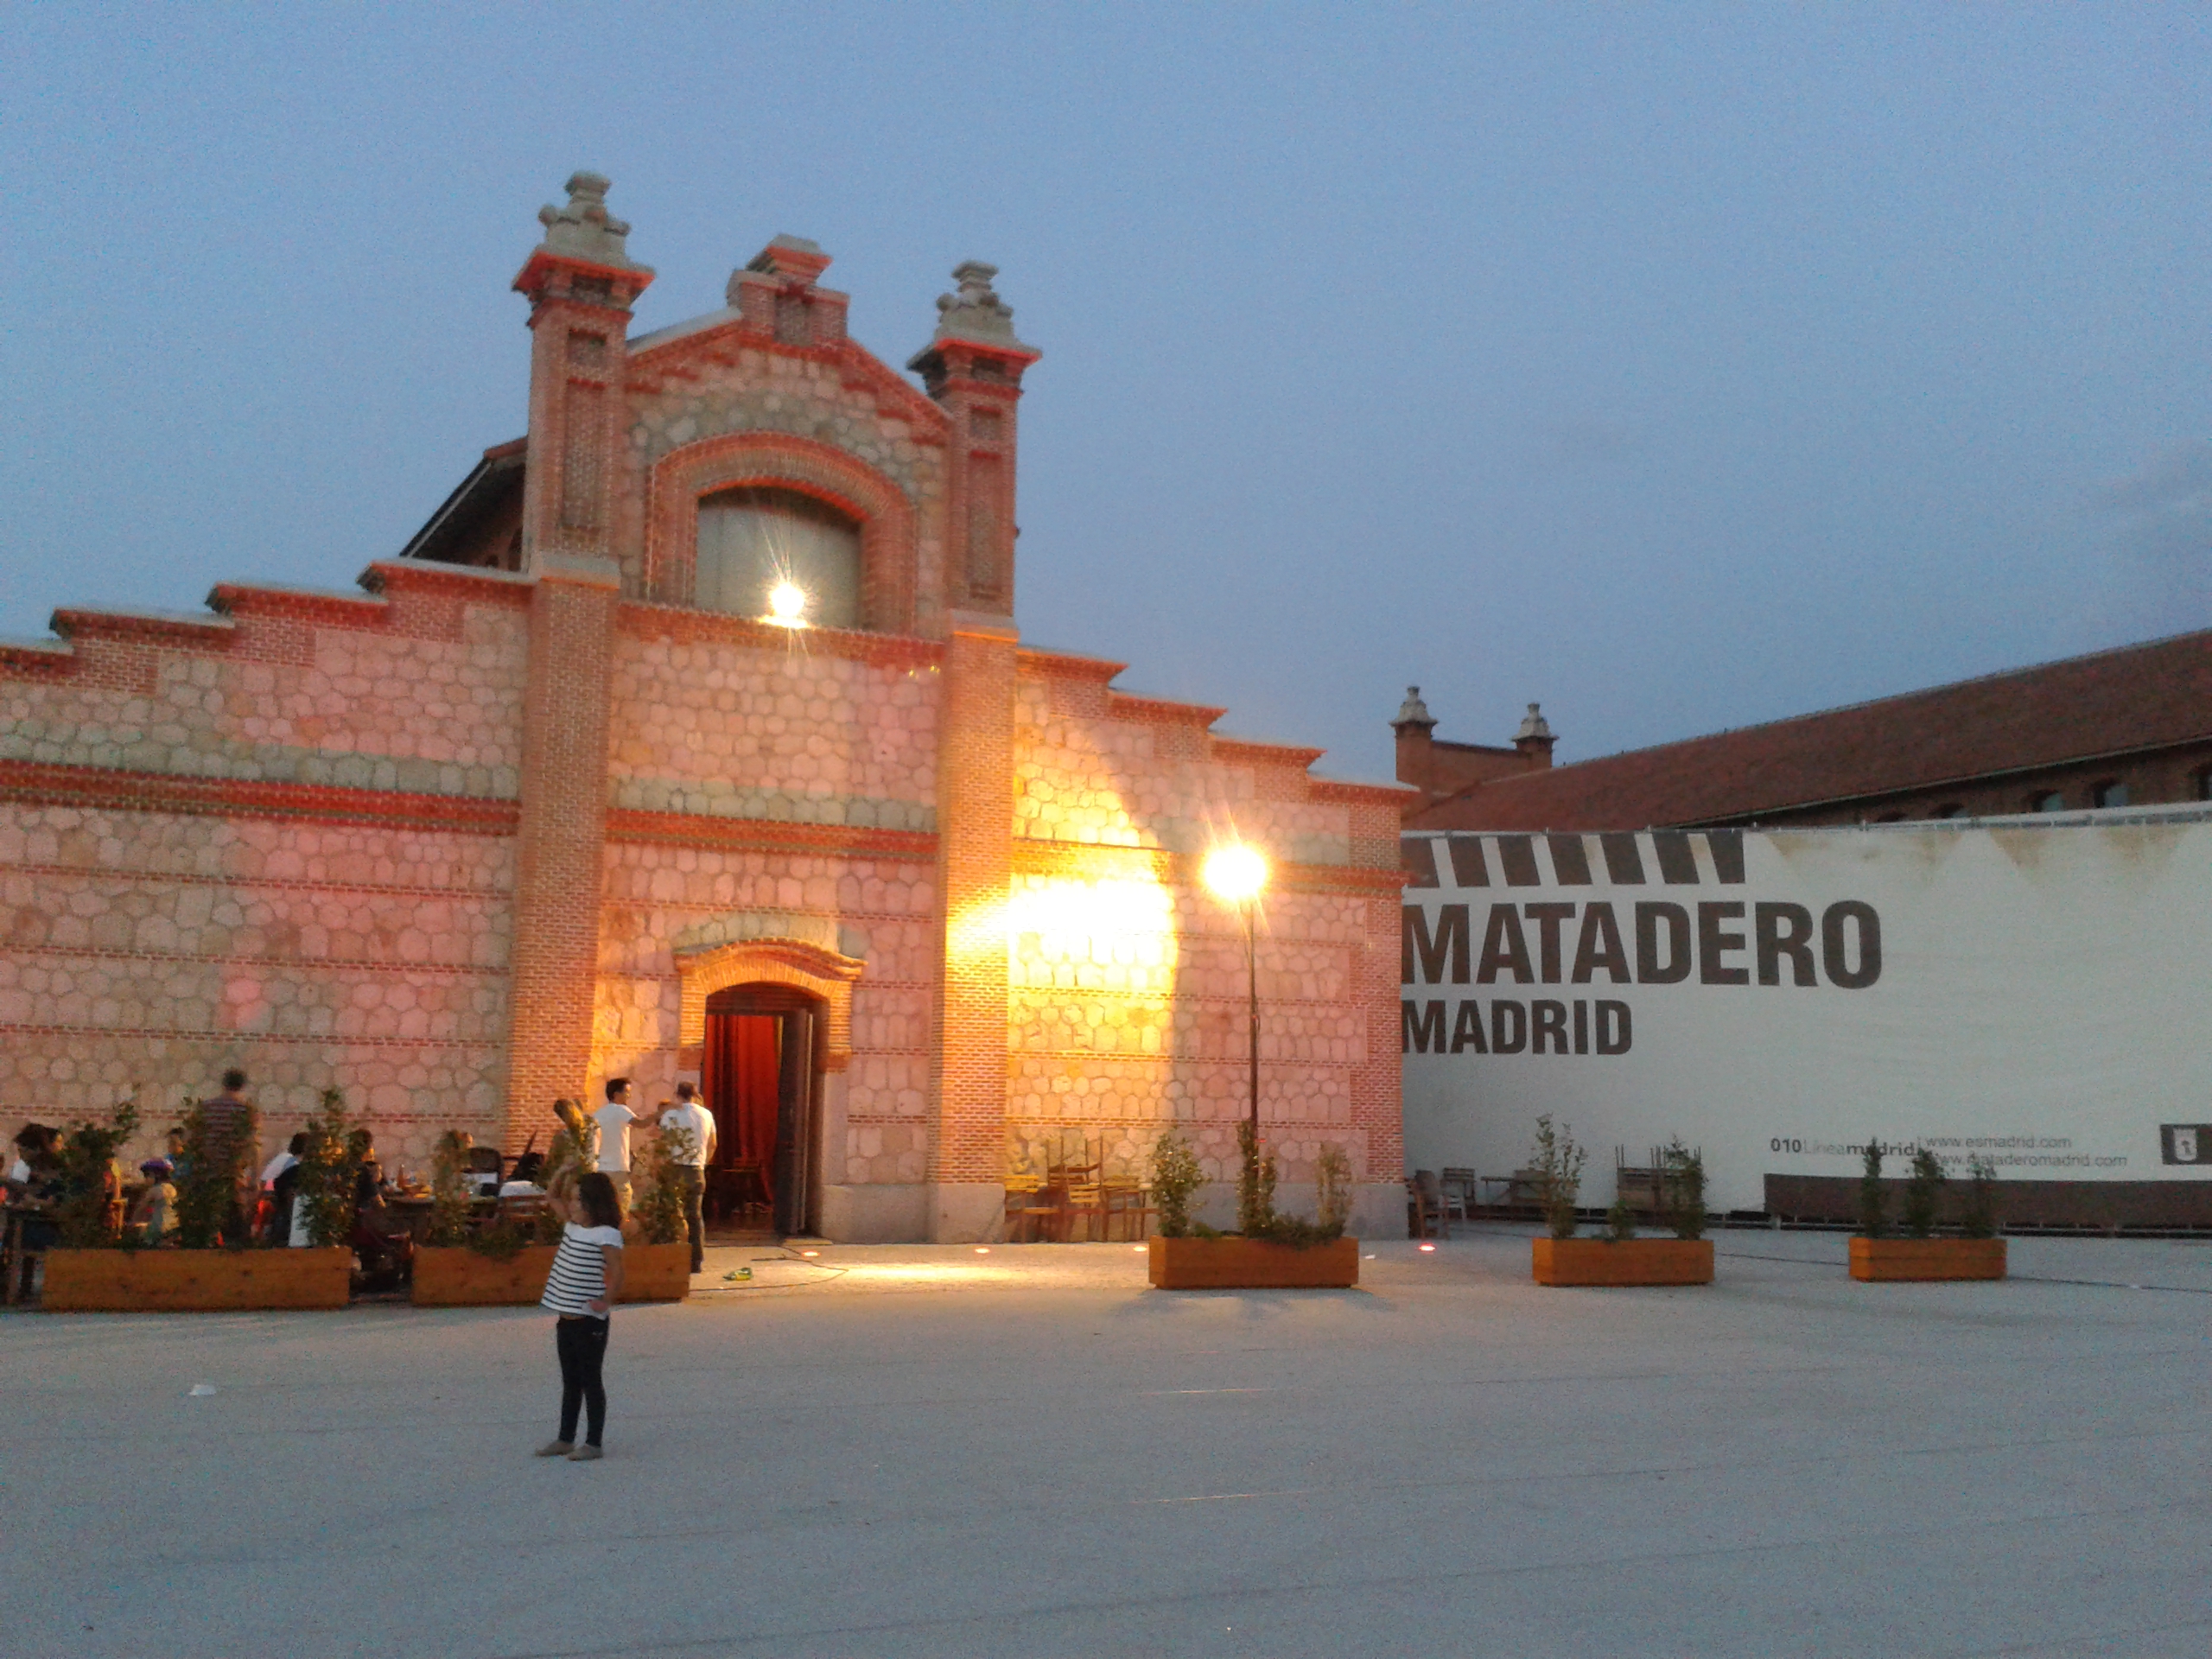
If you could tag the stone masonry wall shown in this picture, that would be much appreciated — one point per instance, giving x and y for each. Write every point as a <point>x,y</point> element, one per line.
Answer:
<point>149,950</point>
<point>1129,1008</point>
<point>660,897</point>
<point>278,838</point>
<point>724,717</point>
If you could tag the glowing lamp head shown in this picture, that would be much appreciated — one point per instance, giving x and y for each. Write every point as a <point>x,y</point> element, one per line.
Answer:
<point>1234,872</point>
<point>787,605</point>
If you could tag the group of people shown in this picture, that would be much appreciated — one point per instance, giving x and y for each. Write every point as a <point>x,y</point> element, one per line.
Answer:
<point>580,1290</point>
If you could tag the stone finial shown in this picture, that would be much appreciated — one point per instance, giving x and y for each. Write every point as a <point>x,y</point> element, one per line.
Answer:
<point>1534,725</point>
<point>584,230</point>
<point>1413,711</point>
<point>975,313</point>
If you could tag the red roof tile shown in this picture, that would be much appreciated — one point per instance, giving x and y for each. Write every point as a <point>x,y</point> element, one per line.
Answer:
<point>2136,697</point>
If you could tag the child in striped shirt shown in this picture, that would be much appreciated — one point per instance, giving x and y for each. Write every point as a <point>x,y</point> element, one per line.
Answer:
<point>587,1277</point>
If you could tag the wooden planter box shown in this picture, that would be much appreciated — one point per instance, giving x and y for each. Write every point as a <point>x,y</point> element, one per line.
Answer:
<point>1893,1259</point>
<point>195,1281</point>
<point>1623,1261</point>
<point>456,1276</point>
<point>453,1275</point>
<point>1252,1264</point>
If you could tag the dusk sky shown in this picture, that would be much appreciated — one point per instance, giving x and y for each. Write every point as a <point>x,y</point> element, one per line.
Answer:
<point>1681,367</point>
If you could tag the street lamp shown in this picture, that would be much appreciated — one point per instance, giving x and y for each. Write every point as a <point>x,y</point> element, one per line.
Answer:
<point>1236,874</point>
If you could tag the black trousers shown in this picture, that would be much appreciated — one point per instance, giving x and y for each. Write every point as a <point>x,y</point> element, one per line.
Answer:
<point>581,1344</point>
<point>694,1183</point>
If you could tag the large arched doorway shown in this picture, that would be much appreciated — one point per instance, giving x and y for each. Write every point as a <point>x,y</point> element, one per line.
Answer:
<point>761,1074</point>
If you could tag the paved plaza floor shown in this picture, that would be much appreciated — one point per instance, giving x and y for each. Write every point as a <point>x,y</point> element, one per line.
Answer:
<point>908,1451</point>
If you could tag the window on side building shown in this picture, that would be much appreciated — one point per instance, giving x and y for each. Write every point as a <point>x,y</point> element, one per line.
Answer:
<point>1949,810</point>
<point>2109,794</point>
<point>2055,801</point>
<point>752,539</point>
<point>2205,784</point>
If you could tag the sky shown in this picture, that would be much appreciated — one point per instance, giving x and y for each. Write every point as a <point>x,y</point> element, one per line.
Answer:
<point>1679,367</point>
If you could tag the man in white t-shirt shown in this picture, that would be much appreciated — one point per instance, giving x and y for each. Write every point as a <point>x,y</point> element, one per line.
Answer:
<point>614,1120</point>
<point>690,1162</point>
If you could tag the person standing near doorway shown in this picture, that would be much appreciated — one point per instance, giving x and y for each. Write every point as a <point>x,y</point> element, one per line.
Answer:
<point>614,1120</point>
<point>691,1161</point>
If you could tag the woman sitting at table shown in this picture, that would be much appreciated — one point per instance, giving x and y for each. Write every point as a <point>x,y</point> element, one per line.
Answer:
<point>385,1246</point>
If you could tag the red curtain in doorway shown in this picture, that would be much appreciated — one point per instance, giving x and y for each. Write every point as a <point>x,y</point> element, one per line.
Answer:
<point>743,1072</point>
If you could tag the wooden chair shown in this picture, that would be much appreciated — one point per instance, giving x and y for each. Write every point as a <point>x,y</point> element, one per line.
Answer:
<point>1128,1201</point>
<point>1425,1206</point>
<point>1644,1185</point>
<point>1457,1191</point>
<point>1522,1189</point>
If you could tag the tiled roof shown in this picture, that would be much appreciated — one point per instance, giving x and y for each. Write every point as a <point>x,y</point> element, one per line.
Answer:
<point>2136,697</point>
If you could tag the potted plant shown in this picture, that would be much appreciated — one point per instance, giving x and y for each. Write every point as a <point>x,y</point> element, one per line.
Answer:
<point>1620,1257</point>
<point>1922,1254</point>
<point>1268,1251</point>
<point>199,1275</point>
<point>658,1262</point>
<point>502,1263</point>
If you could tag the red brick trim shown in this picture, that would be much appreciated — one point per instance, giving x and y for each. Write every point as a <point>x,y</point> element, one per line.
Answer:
<point>682,625</point>
<point>1393,796</point>
<point>1244,751</point>
<point>1033,664</point>
<point>1086,860</point>
<point>474,583</point>
<point>810,967</point>
<point>209,632</point>
<point>733,459</point>
<point>763,834</point>
<point>38,783</point>
<point>1159,711</point>
<point>658,361</point>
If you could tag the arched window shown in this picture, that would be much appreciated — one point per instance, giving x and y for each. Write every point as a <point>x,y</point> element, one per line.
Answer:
<point>752,539</point>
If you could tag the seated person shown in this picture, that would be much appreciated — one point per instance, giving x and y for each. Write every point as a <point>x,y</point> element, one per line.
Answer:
<point>283,1190</point>
<point>384,1245</point>
<point>178,1163</point>
<point>153,1219</point>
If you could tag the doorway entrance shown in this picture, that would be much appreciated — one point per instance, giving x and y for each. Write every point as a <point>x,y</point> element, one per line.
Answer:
<point>762,1079</point>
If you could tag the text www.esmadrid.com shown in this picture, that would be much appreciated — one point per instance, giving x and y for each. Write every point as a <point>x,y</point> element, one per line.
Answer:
<point>1998,1151</point>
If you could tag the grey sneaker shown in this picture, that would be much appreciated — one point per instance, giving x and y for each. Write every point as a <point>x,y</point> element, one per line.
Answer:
<point>556,1449</point>
<point>586,1454</point>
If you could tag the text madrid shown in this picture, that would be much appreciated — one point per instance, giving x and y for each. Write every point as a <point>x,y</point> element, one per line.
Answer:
<point>1528,944</point>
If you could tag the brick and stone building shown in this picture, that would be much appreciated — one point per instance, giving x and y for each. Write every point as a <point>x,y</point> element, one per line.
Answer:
<point>2126,727</point>
<point>559,797</point>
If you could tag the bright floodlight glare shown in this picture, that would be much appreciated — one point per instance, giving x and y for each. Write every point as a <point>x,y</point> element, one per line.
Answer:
<point>1236,874</point>
<point>787,604</point>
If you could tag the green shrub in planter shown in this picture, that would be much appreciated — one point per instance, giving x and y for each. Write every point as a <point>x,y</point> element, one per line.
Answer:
<point>659,1189</point>
<point>1923,1190</point>
<point>1559,1164</point>
<point>1873,1207</point>
<point>1980,1218</point>
<point>1683,1185</point>
<point>207,1193</point>
<point>85,1216</point>
<point>330,1170</point>
<point>1176,1174</point>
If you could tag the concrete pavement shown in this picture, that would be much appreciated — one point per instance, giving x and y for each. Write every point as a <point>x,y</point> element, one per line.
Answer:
<point>927,1451</point>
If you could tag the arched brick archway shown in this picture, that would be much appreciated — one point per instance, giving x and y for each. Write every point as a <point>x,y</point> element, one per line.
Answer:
<point>814,969</point>
<point>736,460</point>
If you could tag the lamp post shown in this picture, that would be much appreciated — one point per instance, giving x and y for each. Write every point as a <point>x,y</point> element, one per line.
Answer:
<point>1235,874</point>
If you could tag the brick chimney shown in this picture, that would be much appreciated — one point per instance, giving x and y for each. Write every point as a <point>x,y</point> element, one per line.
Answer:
<point>1534,739</point>
<point>778,294</point>
<point>973,366</point>
<point>1416,729</point>
<point>580,282</point>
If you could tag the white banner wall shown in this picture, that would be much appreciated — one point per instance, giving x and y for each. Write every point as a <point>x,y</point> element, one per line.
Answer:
<point>2035,993</point>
